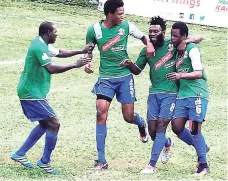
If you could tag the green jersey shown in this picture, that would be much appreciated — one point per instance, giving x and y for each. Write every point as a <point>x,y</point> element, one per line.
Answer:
<point>191,88</point>
<point>112,45</point>
<point>35,79</point>
<point>162,63</point>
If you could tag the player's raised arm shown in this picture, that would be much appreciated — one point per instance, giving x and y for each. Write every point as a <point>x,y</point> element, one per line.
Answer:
<point>136,33</point>
<point>190,39</point>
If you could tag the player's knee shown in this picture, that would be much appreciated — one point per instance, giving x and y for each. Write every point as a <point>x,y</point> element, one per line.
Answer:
<point>53,124</point>
<point>129,118</point>
<point>162,125</point>
<point>176,129</point>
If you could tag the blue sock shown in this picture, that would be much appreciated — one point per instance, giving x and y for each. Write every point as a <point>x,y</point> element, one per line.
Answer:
<point>50,142</point>
<point>101,132</point>
<point>139,121</point>
<point>33,137</point>
<point>186,136</point>
<point>167,142</point>
<point>200,146</point>
<point>158,145</point>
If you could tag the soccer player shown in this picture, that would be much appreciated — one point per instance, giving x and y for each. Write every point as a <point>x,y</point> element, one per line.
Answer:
<point>162,93</point>
<point>32,89</point>
<point>192,98</point>
<point>111,36</point>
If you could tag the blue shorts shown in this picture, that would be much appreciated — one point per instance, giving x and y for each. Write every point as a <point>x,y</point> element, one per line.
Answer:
<point>160,105</point>
<point>191,108</point>
<point>37,110</point>
<point>122,87</point>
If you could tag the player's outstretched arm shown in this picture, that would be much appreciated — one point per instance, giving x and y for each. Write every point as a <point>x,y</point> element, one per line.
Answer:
<point>55,69</point>
<point>69,53</point>
<point>190,39</point>
<point>133,68</point>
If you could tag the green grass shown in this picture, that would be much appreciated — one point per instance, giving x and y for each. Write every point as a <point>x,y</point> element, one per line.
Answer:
<point>71,98</point>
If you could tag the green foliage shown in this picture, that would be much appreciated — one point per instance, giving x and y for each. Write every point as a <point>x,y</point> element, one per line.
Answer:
<point>84,3</point>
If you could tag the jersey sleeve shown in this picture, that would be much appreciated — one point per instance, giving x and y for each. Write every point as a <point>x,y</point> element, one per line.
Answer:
<point>194,55</point>
<point>53,52</point>
<point>42,55</point>
<point>141,60</point>
<point>90,36</point>
<point>134,31</point>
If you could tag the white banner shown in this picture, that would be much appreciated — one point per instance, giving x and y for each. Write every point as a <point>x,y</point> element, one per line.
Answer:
<point>204,12</point>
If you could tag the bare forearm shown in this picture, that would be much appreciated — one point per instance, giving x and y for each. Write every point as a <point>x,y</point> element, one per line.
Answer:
<point>134,69</point>
<point>194,39</point>
<point>192,75</point>
<point>55,69</point>
<point>69,53</point>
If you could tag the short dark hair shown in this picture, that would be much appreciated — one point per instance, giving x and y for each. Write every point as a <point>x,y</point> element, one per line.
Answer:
<point>182,27</point>
<point>111,6</point>
<point>45,27</point>
<point>157,20</point>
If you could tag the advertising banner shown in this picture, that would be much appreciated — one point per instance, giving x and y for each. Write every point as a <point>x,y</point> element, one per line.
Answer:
<point>203,12</point>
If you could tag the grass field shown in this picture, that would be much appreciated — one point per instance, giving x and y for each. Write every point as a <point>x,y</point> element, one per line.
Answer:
<point>71,98</point>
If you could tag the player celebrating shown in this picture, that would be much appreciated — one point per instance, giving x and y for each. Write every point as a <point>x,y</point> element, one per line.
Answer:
<point>111,36</point>
<point>162,94</point>
<point>32,89</point>
<point>192,98</point>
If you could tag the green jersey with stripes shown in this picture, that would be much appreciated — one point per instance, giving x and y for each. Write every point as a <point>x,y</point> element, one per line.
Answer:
<point>35,79</point>
<point>196,87</point>
<point>162,63</point>
<point>112,45</point>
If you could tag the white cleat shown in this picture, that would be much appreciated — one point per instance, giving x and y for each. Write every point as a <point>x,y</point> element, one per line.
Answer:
<point>149,170</point>
<point>166,153</point>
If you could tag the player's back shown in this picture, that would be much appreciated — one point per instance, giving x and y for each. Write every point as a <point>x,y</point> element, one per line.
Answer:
<point>35,79</point>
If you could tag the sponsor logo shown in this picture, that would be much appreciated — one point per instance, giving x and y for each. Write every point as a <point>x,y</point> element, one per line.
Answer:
<point>184,70</point>
<point>121,31</point>
<point>45,56</point>
<point>110,43</point>
<point>170,47</point>
<point>117,48</point>
<point>181,15</point>
<point>163,60</point>
<point>192,16</point>
<point>222,6</point>
<point>202,18</point>
<point>185,54</point>
<point>170,64</point>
